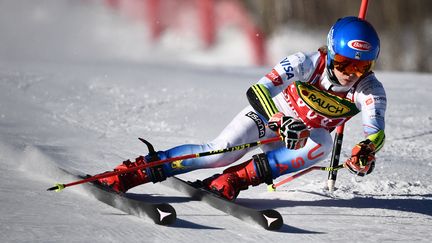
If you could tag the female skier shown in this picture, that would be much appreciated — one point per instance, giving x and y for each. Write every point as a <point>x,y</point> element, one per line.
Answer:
<point>302,100</point>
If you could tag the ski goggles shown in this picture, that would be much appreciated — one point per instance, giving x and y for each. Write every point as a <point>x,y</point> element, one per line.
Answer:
<point>352,66</point>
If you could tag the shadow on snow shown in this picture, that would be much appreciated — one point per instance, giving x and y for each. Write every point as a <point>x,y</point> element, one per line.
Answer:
<point>411,205</point>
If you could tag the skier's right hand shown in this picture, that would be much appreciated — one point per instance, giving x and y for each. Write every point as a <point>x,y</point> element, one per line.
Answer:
<point>294,132</point>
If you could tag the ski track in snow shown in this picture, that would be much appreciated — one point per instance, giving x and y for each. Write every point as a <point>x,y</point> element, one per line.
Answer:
<point>87,113</point>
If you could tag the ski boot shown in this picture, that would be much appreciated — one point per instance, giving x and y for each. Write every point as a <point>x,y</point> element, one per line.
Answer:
<point>126,181</point>
<point>240,177</point>
<point>123,182</point>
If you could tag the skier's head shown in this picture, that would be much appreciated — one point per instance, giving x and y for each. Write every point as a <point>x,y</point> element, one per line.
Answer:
<point>353,48</point>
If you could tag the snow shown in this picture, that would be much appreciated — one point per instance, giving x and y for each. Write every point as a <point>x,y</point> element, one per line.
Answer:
<point>79,84</point>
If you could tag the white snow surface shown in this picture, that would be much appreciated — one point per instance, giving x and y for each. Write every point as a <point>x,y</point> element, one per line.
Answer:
<point>79,84</point>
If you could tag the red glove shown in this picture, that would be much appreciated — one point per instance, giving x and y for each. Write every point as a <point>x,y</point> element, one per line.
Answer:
<point>362,161</point>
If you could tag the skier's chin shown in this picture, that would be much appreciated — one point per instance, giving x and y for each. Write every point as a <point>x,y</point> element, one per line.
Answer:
<point>347,81</point>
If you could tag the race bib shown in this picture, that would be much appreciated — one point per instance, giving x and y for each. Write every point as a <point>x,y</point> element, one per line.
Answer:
<point>323,103</point>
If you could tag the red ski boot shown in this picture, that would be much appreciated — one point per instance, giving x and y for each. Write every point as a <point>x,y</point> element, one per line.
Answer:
<point>124,182</point>
<point>240,177</point>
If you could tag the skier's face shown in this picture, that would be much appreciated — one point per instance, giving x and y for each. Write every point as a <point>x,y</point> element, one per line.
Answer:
<point>346,78</point>
<point>348,70</point>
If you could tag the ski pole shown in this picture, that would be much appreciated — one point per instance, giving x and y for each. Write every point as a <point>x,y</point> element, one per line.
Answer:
<point>59,187</point>
<point>273,187</point>
<point>334,161</point>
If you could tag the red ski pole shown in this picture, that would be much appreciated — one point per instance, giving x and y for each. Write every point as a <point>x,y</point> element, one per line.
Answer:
<point>59,187</point>
<point>273,187</point>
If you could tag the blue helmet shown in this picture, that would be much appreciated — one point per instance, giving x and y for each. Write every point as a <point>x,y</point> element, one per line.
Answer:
<point>353,38</point>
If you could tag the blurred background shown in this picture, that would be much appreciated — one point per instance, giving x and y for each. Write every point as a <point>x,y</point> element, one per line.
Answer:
<point>205,32</point>
<point>405,27</point>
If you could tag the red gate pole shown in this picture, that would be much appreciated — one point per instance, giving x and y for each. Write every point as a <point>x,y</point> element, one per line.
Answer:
<point>206,11</point>
<point>337,145</point>
<point>363,9</point>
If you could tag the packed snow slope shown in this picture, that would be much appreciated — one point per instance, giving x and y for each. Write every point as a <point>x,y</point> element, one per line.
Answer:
<point>72,96</point>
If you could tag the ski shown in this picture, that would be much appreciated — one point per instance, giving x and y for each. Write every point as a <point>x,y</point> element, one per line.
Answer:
<point>160,213</point>
<point>268,219</point>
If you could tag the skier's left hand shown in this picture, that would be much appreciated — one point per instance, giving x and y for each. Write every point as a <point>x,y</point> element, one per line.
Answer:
<point>362,161</point>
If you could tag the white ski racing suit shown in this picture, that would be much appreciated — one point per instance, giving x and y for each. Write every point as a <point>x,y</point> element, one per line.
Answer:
<point>299,87</point>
